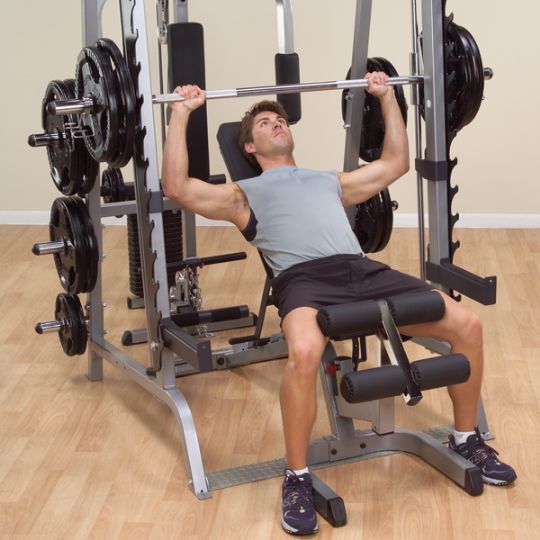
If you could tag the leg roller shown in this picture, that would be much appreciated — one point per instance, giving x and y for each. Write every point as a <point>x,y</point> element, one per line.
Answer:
<point>382,318</point>
<point>387,381</point>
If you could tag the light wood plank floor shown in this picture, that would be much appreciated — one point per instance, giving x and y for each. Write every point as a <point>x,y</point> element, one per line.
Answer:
<point>83,460</point>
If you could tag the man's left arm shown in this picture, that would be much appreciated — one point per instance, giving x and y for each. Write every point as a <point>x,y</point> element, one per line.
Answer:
<point>361,184</point>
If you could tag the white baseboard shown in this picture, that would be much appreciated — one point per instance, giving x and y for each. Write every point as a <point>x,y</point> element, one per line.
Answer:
<point>466,221</point>
<point>42,217</point>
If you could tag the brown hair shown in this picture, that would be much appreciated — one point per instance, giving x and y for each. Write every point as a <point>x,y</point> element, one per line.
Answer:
<point>246,135</point>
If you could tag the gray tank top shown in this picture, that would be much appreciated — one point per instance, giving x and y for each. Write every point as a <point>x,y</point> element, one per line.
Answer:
<point>297,216</point>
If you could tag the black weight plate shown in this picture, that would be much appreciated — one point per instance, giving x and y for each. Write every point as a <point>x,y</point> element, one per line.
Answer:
<point>372,135</point>
<point>387,219</point>
<point>112,182</point>
<point>88,168</point>
<point>71,264</point>
<point>458,67</point>
<point>80,209</point>
<point>377,231</point>
<point>399,91</point>
<point>94,78</point>
<point>365,225</point>
<point>80,215</point>
<point>64,162</point>
<point>127,102</point>
<point>74,334</point>
<point>473,63</point>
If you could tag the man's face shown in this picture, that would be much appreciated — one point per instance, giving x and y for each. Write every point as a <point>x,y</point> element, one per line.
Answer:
<point>271,135</point>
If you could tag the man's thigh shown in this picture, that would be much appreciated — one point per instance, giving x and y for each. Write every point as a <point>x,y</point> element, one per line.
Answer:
<point>300,329</point>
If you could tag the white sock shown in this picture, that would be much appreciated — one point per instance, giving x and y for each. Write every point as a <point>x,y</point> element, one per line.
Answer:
<point>301,471</point>
<point>461,436</point>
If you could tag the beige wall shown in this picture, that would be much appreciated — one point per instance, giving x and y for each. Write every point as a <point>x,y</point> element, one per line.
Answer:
<point>497,171</point>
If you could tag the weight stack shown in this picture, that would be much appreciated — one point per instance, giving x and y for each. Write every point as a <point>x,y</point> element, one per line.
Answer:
<point>172,231</point>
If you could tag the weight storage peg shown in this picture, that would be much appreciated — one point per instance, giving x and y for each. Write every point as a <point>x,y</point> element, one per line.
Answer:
<point>71,167</point>
<point>70,323</point>
<point>73,245</point>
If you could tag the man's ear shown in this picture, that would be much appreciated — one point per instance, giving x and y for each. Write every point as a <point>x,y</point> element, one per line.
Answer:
<point>249,148</point>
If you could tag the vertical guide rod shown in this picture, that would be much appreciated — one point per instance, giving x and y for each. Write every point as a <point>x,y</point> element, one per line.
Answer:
<point>353,122</point>
<point>91,32</point>
<point>285,26</point>
<point>415,93</point>
<point>435,126</point>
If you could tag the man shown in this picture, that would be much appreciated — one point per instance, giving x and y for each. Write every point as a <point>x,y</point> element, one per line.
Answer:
<point>296,218</point>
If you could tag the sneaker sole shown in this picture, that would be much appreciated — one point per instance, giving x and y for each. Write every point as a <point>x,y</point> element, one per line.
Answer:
<point>494,482</point>
<point>291,530</point>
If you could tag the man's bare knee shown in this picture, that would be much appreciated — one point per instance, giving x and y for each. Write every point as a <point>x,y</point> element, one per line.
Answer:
<point>473,330</point>
<point>468,328</point>
<point>304,357</point>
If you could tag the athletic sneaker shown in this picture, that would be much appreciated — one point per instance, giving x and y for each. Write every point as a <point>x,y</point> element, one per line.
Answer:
<point>298,515</point>
<point>485,458</point>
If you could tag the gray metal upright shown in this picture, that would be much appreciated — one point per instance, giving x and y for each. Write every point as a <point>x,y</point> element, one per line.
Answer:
<point>415,99</point>
<point>149,202</point>
<point>435,127</point>
<point>148,188</point>
<point>189,222</point>
<point>91,31</point>
<point>285,26</point>
<point>356,96</point>
<point>356,99</point>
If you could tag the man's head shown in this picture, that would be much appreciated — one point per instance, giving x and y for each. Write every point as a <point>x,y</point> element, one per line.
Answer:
<point>264,131</point>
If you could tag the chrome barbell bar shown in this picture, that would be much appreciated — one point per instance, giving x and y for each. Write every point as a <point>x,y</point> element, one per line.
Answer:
<point>288,88</point>
<point>87,104</point>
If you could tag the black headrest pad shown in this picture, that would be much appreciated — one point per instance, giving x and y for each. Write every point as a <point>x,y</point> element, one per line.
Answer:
<point>239,167</point>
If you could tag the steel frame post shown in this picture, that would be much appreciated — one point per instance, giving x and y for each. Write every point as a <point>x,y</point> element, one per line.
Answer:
<point>91,31</point>
<point>189,224</point>
<point>435,125</point>
<point>285,26</point>
<point>356,96</point>
<point>355,103</point>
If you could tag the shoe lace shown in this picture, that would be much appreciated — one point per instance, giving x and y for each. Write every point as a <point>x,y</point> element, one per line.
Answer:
<point>298,492</point>
<point>484,452</point>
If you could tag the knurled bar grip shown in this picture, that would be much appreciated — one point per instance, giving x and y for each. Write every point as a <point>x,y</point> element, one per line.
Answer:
<point>364,318</point>
<point>388,381</point>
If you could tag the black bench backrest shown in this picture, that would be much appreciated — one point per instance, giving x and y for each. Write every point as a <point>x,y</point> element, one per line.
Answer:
<point>238,166</point>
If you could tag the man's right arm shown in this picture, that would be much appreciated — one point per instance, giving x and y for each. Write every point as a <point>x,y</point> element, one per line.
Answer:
<point>225,201</point>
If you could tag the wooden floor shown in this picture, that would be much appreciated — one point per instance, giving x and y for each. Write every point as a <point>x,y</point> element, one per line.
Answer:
<point>102,460</point>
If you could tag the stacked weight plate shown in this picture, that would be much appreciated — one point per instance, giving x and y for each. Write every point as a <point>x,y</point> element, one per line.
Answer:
<point>172,227</point>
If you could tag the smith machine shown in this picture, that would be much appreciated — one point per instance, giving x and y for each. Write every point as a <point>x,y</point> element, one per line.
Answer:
<point>106,115</point>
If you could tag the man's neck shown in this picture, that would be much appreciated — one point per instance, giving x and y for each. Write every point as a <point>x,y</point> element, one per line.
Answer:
<point>276,161</point>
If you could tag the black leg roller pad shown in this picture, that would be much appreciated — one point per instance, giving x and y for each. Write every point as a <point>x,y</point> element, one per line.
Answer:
<point>344,321</point>
<point>382,318</point>
<point>387,381</point>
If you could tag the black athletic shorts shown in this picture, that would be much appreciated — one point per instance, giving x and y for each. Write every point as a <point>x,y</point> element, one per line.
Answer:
<point>337,280</point>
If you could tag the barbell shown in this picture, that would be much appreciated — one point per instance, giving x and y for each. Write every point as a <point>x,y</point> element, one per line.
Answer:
<point>88,105</point>
<point>104,100</point>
